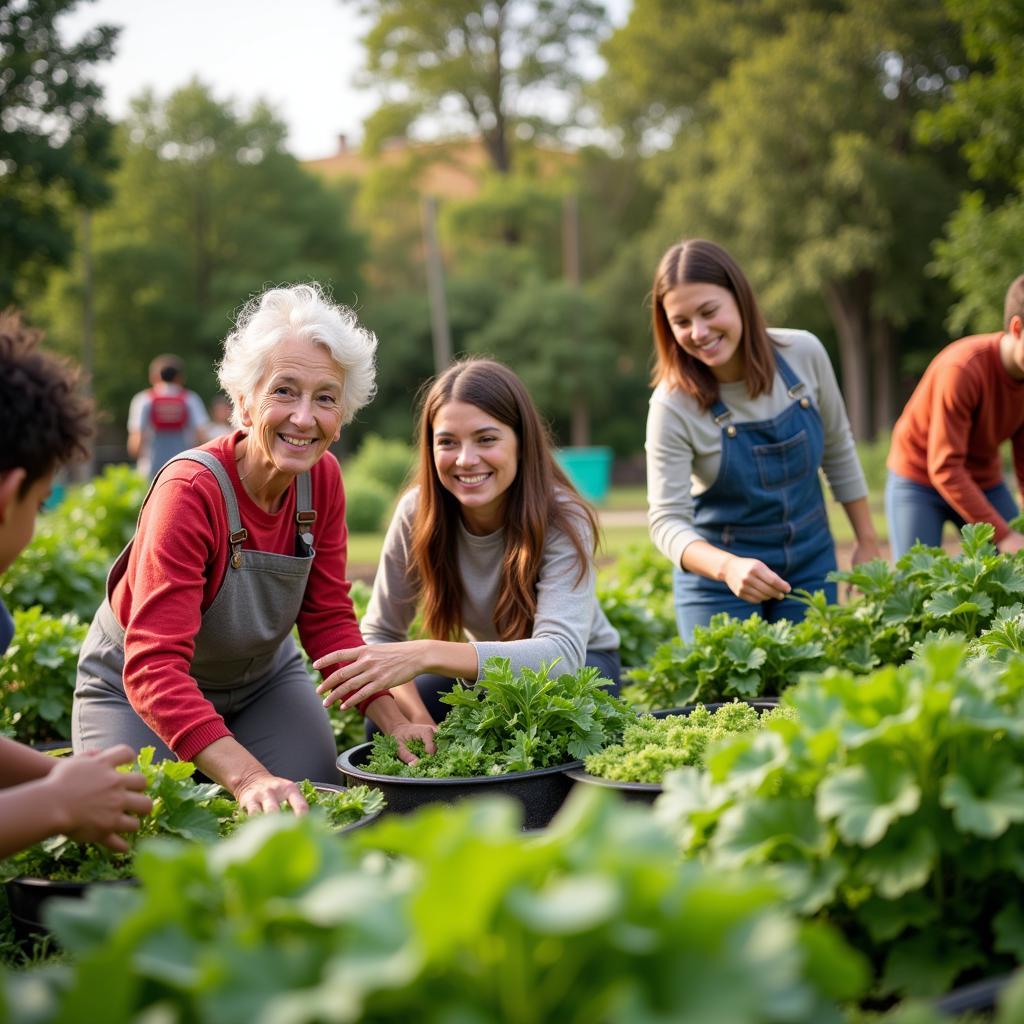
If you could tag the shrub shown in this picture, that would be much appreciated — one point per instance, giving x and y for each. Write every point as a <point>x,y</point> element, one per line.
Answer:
<point>59,575</point>
<point>389,462</point>
<point>37,675</point>
<point>103,511</point>
<point>367,503</point>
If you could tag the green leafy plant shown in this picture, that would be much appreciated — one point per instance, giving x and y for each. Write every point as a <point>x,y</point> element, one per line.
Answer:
<point>927,593</point>
<point>508,722</point>
<point>37,675</point>
<point>636,595</point>
<point>367,502</point>
<point>727,658</point>
<point>652,747</point>
<point>58,575</point>
<point>104,511</point>
<point>892,804</point>
<point>182,807</point>
<point>594,922</point>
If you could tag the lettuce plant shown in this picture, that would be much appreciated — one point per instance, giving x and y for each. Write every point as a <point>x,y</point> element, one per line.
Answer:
<point>892,804</point>
<point>465,919</point>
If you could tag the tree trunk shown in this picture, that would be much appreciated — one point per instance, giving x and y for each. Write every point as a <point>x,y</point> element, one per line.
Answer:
<point>848,303</point>
<point>579,425</point>
<point>884,360</point>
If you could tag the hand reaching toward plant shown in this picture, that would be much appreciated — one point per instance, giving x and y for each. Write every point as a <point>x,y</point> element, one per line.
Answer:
<point>407,731</point>
<point>84,797</point>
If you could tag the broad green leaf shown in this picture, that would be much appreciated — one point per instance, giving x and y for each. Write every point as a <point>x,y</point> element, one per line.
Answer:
<point>901,862</point>
<point>987,813</point>
<point>567,906</point>
<point>1008,927</point>
<point>929,964</point>
<point>865,801</point>
<point>763,829</point>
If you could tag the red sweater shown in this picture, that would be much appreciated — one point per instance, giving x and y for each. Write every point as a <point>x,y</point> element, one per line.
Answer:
<point>949,434</point>
<point>175,570</point>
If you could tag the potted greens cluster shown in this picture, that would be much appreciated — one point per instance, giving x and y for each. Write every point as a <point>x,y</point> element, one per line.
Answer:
<point>513,733</point>
<point>651,747</point>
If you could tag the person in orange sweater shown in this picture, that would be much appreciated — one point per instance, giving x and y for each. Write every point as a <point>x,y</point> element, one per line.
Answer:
<point>944,462</point>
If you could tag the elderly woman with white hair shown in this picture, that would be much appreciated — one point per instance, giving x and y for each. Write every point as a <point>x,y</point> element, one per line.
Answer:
<point>238,541</point>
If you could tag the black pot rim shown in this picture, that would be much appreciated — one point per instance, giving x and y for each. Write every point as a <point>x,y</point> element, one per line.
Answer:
<point>581,775</point>
<point>347,766</point>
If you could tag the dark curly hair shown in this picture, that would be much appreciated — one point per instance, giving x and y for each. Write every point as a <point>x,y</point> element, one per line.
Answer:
<point>44,419</point>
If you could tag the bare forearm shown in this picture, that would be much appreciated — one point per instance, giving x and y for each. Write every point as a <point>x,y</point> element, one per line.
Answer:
<point>226,761</point>
<point>19,763</point>
<point>859,514</point>
<point>705,559</point>
<point>27,815</point>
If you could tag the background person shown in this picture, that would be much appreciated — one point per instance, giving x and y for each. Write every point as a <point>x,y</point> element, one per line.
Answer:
<point>740,422</point>
<point>944,462</point>
<point>492,541</point>
<point>238,542</point>
<point>166,418</point>
<point>220,418</point>
<point>44,422</point>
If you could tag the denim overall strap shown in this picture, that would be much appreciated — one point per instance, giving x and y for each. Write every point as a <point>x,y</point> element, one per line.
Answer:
<point>766,502</point>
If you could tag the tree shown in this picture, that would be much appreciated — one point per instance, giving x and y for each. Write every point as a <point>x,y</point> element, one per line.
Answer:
<point>800,157</point>
<point>551,334</point>
<point>983,247</point>
<point>509,68</point>
<point>54,142</point>
<point>209,208</point>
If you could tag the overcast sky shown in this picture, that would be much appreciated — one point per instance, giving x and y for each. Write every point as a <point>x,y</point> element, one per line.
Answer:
<point>300,56</point>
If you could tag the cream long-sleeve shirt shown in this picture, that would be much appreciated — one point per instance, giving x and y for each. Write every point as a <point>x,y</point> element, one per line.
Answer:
<point>569,620</point>
<point>684,446</point>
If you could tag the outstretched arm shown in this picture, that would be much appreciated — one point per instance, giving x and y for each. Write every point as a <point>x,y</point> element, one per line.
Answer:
<point>84,797</point>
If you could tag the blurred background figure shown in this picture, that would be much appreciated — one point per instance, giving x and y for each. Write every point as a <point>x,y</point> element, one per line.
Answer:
<point>166,418</point>
<point>220,418</point>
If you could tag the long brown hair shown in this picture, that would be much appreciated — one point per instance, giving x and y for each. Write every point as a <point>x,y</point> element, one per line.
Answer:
<point>539,499</point>
<point>697,261</point>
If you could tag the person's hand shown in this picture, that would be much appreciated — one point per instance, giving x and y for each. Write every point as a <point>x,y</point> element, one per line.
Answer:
<point>368,670</point>
<point>865,551</point>
<point>96,800</point>
<point>1012,542</point>
<point>405,731</point>
<point>752,580</point>
<point>263,793</point>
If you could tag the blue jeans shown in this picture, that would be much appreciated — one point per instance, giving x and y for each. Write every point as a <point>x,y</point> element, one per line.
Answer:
<point>916,512</point>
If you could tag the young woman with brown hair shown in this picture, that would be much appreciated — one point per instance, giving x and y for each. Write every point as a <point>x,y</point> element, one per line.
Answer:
<point>492,541</point>
<point>736,434</point>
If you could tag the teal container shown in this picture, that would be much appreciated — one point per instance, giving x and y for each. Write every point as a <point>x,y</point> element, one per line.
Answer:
<point>590,470</point>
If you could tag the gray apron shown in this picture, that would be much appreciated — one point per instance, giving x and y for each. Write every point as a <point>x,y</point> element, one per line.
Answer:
<point>245,661</point>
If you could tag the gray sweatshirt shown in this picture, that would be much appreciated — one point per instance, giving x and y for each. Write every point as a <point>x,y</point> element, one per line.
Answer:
<point>684,447</point>
<point>568,622</point>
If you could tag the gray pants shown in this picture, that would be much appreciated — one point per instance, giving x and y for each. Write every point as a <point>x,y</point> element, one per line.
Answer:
<point>278,718</point>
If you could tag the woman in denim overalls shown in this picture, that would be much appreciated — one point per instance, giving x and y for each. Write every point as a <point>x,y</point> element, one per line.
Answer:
<point>740,423</point>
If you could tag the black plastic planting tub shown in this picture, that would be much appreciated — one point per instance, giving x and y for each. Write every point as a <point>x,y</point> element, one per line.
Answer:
<point>539,791</point>
<point>648,792</point>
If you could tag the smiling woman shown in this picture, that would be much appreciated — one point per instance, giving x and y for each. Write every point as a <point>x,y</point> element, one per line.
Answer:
<point>496,545</point>
<point>238,542</point>
<point>740,423</point>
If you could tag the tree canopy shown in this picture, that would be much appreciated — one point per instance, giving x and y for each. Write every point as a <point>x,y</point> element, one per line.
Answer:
<point>55,142</point>
<point>507,68</point>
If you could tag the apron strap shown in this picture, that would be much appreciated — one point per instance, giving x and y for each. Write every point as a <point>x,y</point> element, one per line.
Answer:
<point>305,514</point>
